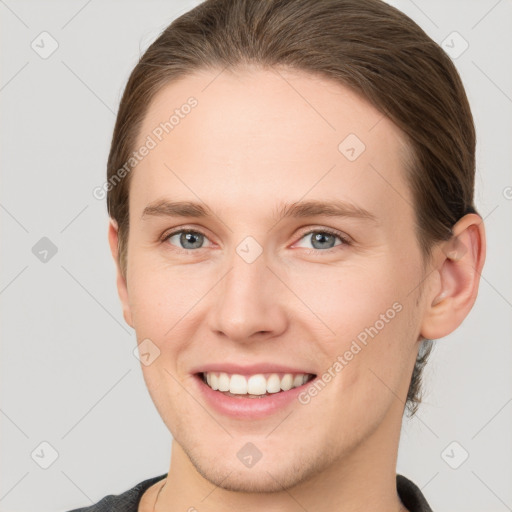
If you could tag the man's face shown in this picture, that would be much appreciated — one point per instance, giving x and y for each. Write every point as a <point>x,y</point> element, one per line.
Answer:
<point>253,287</point>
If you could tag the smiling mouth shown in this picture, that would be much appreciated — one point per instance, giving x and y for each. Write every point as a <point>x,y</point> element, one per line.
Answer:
<point>253,386</point>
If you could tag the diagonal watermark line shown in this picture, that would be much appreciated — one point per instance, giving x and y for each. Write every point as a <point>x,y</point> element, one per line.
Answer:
<point>385,114</point>
<point>204,408</point>
<point>14,218</point>
<point>77,486</point>
<point>503,407</point>
<point>378,121</point>
<point>74,218</point>
<point>111,388</point>
<point>490,213</point>
<point>280,423</point>
<point>14,76</point>
<point>88,87</point>
<point>508,508</point>
<point>398,398</point>
<point>416,417</point>
<point>492,81</point>
<point>301,300</point>
<point>214,78</point>
<point>288,492</point>
<point>5,495</point>
<point>305,99</point>
<point>3,3</point>
<point>76,14</point>
<point>13,279</point>
<point>95,299</point>
<point>17,426</point>
<point>495,289</point>
<point>425,485</point>
<point>216,487</point>
<point>198,301</point>
<point>486,14</point>
<point>422,281</point>
<point>424,14</point>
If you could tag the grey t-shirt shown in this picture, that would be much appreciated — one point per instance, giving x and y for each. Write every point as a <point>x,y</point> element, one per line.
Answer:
<point>128,501</point>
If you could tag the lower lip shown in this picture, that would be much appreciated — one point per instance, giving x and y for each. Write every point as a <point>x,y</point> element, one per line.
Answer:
<point>249,408</point>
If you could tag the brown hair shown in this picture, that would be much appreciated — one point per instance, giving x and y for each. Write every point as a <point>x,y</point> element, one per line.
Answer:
<point>366,45</point>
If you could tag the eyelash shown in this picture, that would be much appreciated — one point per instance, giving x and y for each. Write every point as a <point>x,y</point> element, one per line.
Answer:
<point>345,240</point>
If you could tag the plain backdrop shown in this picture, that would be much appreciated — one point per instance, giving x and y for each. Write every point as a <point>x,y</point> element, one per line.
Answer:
<point>69,378</point>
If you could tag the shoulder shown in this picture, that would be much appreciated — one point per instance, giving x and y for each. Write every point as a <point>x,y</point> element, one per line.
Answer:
<point>411,495</point>
<point>128,501</point>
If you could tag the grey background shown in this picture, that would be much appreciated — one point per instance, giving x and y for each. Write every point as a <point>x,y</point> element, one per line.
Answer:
<point>68,373</point>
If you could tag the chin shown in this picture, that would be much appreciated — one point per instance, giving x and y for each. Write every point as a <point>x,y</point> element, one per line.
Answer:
<point>266,476</point>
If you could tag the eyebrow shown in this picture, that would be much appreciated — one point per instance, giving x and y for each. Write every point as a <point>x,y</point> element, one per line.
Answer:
<point>328,208</point>
<point>299,209</point>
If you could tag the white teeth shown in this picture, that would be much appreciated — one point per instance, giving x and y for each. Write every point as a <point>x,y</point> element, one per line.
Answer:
<point>258,384</point>
<point>238,385</point>
<point>214,381</point>
<point>223,382</point>
<point>273,383</point>
<point>287,382</point>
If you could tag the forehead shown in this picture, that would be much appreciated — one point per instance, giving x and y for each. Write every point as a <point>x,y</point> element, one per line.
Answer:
<point>261,136</point>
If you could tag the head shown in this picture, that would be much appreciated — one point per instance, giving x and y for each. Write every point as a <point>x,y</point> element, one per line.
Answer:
<point>276,103</point>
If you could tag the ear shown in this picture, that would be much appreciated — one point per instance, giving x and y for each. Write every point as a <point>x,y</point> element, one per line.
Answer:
<point>458,275</point>
<point>122,289</point>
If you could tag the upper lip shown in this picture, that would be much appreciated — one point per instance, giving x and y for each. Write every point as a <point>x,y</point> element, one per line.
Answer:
<point>250,369</point>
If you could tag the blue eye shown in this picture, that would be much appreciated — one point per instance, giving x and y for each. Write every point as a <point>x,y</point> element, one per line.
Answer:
<point>189,239</point>
<point>324,239</point>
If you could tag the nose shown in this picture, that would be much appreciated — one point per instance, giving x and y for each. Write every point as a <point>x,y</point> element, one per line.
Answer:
<point>249,302</point>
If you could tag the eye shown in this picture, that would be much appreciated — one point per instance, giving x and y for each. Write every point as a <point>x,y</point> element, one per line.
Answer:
<point>325,239</point>
<point>186,239</point>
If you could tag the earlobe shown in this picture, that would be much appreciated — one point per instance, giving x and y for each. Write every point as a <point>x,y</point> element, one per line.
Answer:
<point>461,260</point>
<point>122,289</point>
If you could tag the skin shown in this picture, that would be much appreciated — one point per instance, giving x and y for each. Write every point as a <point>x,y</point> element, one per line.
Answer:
<point>259,138</point>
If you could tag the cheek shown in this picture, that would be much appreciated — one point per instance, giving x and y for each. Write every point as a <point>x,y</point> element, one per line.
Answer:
<point>160,298</point>
<point>347,299</point>
<point>364,322</point>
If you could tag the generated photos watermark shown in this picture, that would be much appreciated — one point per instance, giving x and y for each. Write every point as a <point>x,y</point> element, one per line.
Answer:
<point>151,142</point>
<point>356,346</point>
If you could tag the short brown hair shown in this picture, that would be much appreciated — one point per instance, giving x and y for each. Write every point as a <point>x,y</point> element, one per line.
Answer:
<point>366,45</point>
